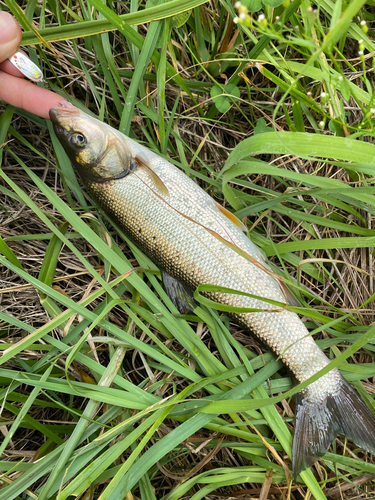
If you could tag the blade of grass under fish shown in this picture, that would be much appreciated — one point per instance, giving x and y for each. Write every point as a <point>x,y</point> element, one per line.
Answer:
<point>22,413</point>
<point>36,334</point>
<point>87,477</point>
<point>89,412</point>
<point>49,264</point>
<point>175,437</point>
<point>34,423</point>
<point>111,489</point>
<point>215,326</point>
<point>131,390</point>
<point>46,463</point>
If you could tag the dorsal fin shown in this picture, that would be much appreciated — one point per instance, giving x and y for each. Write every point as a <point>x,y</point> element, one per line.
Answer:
<point>230,216</point>
<point>154,176</point>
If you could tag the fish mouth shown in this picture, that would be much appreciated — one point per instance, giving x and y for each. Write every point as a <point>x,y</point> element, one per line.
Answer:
<point>65,110</point>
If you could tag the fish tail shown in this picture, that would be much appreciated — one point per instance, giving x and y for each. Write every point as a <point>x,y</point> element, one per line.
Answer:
<point>317,424</point>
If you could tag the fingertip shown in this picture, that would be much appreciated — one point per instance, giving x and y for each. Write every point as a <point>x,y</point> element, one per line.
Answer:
<point>24,94</point>
<point>10,35</point>
<point>8,67</point>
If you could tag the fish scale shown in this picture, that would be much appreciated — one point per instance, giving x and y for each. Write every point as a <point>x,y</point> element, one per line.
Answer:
<point>188,252</point>
<point>180,228</point>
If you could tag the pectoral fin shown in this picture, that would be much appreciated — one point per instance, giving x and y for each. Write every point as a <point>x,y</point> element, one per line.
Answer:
<point>143,163</point>
<point>181,295</point>
<point>290,299</point>
<point>230,216</point>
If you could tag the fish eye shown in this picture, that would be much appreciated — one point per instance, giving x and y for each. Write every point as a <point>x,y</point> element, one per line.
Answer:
<point>78,140</point>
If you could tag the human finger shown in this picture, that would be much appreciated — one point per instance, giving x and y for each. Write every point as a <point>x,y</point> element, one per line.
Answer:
<point>25,95</point>
<point>10,35</point>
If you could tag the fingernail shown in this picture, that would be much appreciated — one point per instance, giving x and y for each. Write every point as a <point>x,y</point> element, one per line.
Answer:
<point>8,25</point>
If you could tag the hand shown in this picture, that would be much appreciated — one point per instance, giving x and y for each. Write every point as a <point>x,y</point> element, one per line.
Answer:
<point>14,89</point>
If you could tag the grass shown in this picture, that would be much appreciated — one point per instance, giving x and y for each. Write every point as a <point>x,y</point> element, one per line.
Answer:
<point>106,392</point>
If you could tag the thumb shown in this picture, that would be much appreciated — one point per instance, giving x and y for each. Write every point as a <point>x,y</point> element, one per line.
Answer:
<point>10,35</point>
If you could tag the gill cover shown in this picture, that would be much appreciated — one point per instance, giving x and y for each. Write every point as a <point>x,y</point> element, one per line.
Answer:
<point>92,146</point>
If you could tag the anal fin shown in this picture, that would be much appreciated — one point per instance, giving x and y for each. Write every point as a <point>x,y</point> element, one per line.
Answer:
<point>179,293</point>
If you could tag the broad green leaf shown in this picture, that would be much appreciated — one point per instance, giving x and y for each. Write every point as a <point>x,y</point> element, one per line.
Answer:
<point>252,5</point>
<point>272,3</point>
<point>304,145</point>
<point>220,96</point>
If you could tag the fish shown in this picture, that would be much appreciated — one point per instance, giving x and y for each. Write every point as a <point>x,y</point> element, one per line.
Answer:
<point>194,241</point>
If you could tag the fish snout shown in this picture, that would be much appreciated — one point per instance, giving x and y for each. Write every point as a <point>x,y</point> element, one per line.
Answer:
<point>54,115</point>
<point>65,111</point>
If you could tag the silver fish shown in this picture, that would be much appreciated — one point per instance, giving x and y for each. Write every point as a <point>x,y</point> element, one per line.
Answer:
<point>194,240</point>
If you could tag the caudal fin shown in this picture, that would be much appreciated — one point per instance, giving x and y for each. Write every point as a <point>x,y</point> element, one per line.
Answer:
<point>318,424</point>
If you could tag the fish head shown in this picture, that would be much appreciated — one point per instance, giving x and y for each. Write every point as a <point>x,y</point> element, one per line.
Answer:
<point>92,146</point>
